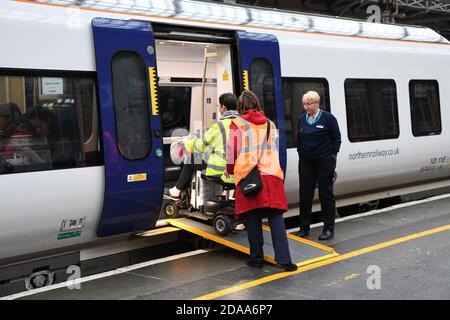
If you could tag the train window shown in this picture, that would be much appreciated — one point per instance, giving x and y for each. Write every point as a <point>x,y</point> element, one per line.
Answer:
<point>175,108</point>
<point>294,89</point>
<point>262,84</point>
<point>372,112</point>
<point>425,107</point>
<point>46,121</point>
<point>131,105</point>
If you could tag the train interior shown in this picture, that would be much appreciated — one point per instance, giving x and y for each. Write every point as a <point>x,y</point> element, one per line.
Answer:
<point>47,122</point>
<point>192,75</point>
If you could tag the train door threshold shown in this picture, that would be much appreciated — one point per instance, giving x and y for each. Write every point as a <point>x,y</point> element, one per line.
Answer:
<point>303,251</point>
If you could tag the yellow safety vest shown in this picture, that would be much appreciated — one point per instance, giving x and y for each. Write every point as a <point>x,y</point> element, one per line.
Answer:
<point>212,147</point>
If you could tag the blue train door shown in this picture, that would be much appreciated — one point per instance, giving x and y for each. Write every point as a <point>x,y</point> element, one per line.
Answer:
<point>131,126</point>
<point>260,70</point>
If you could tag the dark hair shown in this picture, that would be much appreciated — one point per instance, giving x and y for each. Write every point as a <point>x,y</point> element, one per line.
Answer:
<point>248,100</point>
<point>49,118</point>
<point>229,100</point>
<point>11,110</point>
<point>16,115</point>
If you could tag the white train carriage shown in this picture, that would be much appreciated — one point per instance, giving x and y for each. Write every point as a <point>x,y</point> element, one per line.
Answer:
<point>117,78</point>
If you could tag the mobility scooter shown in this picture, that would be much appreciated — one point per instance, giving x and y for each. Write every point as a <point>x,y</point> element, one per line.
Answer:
<point>207,199</point>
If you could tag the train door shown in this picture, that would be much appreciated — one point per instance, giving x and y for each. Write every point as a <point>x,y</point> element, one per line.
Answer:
<point>260,70</point>
<point>192,74</point>
<point>131,126</point>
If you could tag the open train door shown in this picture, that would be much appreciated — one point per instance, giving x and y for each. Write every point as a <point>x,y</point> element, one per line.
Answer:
<point>131,126</point>
<point>260,70</point>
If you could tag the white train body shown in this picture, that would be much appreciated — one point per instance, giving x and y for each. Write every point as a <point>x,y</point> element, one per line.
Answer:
<point>38,36</point>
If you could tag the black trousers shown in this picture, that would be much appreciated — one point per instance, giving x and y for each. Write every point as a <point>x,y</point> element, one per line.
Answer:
<point>313,172</point>
<point>253,224</point>
<point>187,171</point>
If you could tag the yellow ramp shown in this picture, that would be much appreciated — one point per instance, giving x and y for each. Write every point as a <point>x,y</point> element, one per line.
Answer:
<point>302,251</point>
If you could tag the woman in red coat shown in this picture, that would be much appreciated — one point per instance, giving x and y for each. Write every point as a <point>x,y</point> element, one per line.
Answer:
<point>259,148</point>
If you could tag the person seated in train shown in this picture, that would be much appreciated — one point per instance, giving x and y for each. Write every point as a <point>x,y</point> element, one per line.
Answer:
<point>210,148</point>
<point>11,126</point>
<point>45,126</point>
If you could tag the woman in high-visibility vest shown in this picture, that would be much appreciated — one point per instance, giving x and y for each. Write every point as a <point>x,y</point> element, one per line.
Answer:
<point>250,145</point>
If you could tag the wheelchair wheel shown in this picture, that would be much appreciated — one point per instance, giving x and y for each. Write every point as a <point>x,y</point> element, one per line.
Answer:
<point>171,210</point>
<point>222,224</point>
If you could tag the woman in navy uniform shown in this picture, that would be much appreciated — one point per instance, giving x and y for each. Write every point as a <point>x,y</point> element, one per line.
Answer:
<point>318,143</point>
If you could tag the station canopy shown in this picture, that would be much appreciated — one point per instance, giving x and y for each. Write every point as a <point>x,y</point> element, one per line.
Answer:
<point>239,15</point>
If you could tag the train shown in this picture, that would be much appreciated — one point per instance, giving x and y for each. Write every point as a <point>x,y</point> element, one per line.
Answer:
<point>92,94</point>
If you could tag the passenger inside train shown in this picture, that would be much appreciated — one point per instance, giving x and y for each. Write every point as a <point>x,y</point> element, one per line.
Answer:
<point>11,127</point>
<point>42,123</point>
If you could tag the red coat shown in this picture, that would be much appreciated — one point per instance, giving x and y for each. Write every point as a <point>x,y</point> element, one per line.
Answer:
<point>272,194</point>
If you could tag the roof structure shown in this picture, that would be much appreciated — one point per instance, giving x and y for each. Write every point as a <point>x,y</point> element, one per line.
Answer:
<point>434,14</point>
<point>240,15</point>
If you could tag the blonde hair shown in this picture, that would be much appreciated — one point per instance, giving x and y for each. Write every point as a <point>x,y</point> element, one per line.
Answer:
<point>311,96</point>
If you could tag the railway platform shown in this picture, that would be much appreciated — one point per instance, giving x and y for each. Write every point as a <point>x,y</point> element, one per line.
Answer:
<point>397,253</point>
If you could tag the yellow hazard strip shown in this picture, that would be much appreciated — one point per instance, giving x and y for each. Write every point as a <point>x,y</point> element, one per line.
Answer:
<point>245,79</point>
<point>153,92</point>
<point>322,263</point>
<point>308,242</point>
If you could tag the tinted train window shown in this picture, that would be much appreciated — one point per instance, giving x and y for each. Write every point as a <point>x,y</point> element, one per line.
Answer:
<point>294,89</point>
<point>131,105</point>
<point>46,121</point>
<point>262,84</point>
<point>175,108</point>
<point>371,109</point>
<point>425,107</point>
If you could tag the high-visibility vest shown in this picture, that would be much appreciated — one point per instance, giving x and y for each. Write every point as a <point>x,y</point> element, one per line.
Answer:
<point>212,147</point>
<point>255,145</point>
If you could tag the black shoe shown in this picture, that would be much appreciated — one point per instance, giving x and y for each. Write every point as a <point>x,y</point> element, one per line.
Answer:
<point>302,233</point>
<point>288,266</point>
<point>326,235</point>
<point>255,264</point>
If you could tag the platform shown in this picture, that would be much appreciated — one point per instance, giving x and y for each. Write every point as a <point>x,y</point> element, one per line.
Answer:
<point>408,245</point>
<point>302,251</point>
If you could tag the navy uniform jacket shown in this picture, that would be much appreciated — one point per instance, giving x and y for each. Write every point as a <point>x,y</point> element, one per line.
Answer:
<point>321,139</point>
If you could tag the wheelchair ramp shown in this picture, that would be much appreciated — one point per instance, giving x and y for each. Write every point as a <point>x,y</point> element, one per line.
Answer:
<point>303,251</point>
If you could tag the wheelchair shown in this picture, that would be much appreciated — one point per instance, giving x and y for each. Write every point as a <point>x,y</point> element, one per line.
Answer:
<point>208,200</point>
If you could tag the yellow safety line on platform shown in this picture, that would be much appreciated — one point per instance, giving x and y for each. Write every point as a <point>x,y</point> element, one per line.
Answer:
<point>309,242</point>
<point>312,266</point>
<point>321,258</point>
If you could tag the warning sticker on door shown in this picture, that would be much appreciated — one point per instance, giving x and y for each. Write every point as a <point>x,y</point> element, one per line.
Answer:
<point>137,177</point>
